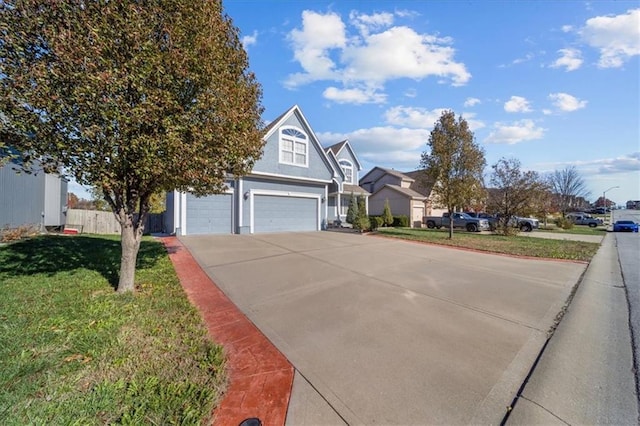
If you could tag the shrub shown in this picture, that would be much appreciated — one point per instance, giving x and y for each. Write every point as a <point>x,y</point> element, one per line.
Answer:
<point>376,222</point>
<point>14,234</point>
<point>387,217</point>
<point>362,223</point>
<point>564,223</point>
<point>352,212</point>
<point>401,221</point>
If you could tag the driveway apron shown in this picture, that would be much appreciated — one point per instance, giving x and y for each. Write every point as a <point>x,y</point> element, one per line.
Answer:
<point>388,331</point>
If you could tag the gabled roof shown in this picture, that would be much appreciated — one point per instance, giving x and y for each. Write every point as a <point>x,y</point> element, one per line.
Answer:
<point>391,172</point>
<point>421,184</point>
<point>275,124</point>
<point>336,166</point>
<point>408,192</point>
<point>336,148</point>
<point>357,190</point>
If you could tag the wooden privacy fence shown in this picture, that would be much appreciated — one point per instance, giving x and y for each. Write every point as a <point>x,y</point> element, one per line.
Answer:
<point>101,222</point>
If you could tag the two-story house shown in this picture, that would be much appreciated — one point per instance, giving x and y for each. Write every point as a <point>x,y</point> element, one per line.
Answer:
<point>297,185</point>
<point>408,193</point>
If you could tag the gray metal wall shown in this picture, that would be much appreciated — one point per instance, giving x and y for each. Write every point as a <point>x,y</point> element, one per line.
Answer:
<point>21,198</point>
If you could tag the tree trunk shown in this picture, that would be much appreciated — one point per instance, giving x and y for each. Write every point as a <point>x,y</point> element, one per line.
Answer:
<point>130,238</point>
<point>451,225</point>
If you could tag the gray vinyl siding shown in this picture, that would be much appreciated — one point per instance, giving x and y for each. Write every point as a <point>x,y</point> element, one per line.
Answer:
<point>22,199</point>
<point>318,165</point>
<point>169,213</point>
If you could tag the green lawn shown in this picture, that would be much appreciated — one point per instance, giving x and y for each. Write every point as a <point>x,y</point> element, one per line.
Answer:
<point>513,245</point>
<point>577,229</point>
<point>72,351</point>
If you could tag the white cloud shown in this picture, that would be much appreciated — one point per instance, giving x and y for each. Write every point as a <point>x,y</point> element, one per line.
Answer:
<point>606,166</point>
<point>472,122</point>
<point>312,45</point>
<point>570,59</point>
<point>418,118</point>
<point>519,131</point>
<point>411,93</point>
<point>567,28</point>
<point>367,23</point>
<point>250,40</point>
<point>373,54</point>
<point>469,102</point>
<point>517,104</point>
<point>567,103</point>
<point>387,146</point>
<point>616,37</point>
<point>354,96</point>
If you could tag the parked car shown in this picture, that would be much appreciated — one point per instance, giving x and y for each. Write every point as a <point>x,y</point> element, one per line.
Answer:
<point>625,226</point>
<point>525,224</point>
<point>493,220</point>
<point>460,220</point>
<point>580,218</point>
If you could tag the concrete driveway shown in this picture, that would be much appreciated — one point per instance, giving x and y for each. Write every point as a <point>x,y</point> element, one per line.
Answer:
<point>383,331</point>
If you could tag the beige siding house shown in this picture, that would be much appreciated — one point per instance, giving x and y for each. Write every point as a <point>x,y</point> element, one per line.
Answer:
<point>408,193</point>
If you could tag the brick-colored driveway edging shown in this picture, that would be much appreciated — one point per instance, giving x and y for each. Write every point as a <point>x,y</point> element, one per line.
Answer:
<point>260,377</point>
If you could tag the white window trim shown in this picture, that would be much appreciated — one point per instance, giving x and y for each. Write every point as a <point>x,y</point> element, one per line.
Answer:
<point>294,140</point>
<point>349,165</point>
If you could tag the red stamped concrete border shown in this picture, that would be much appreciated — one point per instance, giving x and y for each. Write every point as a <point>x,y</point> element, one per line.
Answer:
<point>260,377</point>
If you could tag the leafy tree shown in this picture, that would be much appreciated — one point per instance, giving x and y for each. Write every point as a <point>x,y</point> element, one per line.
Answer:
<point>387,217</point>
<point>454,162</point>
<point>131,97</point>
<point>352,211</point>
<point>72,200</point>
<point>514,192</point>
<point>569,187</point>
<point>362,221</point>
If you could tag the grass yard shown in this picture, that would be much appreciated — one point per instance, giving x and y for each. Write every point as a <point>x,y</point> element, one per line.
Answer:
<point>577,229</point>
<point>514,245</point>
<point>72,351</point>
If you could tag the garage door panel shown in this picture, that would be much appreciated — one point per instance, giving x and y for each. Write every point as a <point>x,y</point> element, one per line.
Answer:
<point>209,215</point>
<point>281,214</point>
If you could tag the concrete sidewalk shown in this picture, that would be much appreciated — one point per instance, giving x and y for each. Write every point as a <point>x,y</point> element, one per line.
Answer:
<point>585,375</point>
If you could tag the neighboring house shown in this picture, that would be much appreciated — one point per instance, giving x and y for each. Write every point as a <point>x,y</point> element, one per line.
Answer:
<point>38,200</point>
<point>408,194</point>
<point>296,185</point>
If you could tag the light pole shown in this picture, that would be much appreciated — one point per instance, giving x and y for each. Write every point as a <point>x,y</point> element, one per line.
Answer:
<point>604,201</point>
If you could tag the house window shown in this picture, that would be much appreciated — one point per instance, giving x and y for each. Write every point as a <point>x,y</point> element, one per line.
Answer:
<point>347,168</point>
<point>294,147</point>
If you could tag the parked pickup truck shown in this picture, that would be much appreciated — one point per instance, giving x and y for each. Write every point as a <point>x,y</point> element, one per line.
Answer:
<point>584,219</point>
<point>460,220</point>
<point>526,224</point>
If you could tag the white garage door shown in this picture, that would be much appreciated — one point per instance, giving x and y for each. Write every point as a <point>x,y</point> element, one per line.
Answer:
<point>274,213</point>
<point>209,215</point>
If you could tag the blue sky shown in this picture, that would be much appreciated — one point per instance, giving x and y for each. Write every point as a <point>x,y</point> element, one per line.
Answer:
<point>551,83</point>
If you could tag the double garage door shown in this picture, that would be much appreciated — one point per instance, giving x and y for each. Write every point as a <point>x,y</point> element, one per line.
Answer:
<point>269,213</point>
<point>274,213</point>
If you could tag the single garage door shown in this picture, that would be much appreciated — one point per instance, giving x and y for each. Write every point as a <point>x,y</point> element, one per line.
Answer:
<point>272,213</point>
<point>209,215</point>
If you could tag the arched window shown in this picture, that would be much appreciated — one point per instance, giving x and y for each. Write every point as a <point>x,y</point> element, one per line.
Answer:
<point>347,169</point>
<point>294,147</point>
